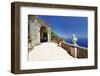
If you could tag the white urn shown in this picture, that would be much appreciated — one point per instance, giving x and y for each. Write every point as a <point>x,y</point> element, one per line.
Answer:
<point>74,40</point>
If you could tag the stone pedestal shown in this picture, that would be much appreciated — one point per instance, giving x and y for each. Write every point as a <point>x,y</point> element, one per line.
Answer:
<point>74,40</point>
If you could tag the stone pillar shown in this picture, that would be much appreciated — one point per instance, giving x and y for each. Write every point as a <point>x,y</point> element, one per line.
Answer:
<point>59,44</point>
<point>49,34</point>
<point>74,40</point>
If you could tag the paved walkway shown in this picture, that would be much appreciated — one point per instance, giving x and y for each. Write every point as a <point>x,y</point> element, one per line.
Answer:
<point>48,51</point>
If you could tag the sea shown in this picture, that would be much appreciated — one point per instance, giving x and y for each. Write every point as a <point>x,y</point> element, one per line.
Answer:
<point>81,42</point>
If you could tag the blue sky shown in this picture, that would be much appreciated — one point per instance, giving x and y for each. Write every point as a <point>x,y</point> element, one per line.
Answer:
<point>65,26</point>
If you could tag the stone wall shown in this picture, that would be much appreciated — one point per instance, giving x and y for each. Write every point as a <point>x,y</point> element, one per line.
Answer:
<point>82,52</point>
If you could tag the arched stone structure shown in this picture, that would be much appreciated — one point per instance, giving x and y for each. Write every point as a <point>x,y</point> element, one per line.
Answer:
<point>39,31</point>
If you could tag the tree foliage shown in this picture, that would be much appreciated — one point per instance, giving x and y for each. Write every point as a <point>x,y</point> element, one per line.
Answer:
<point>53,35</point>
